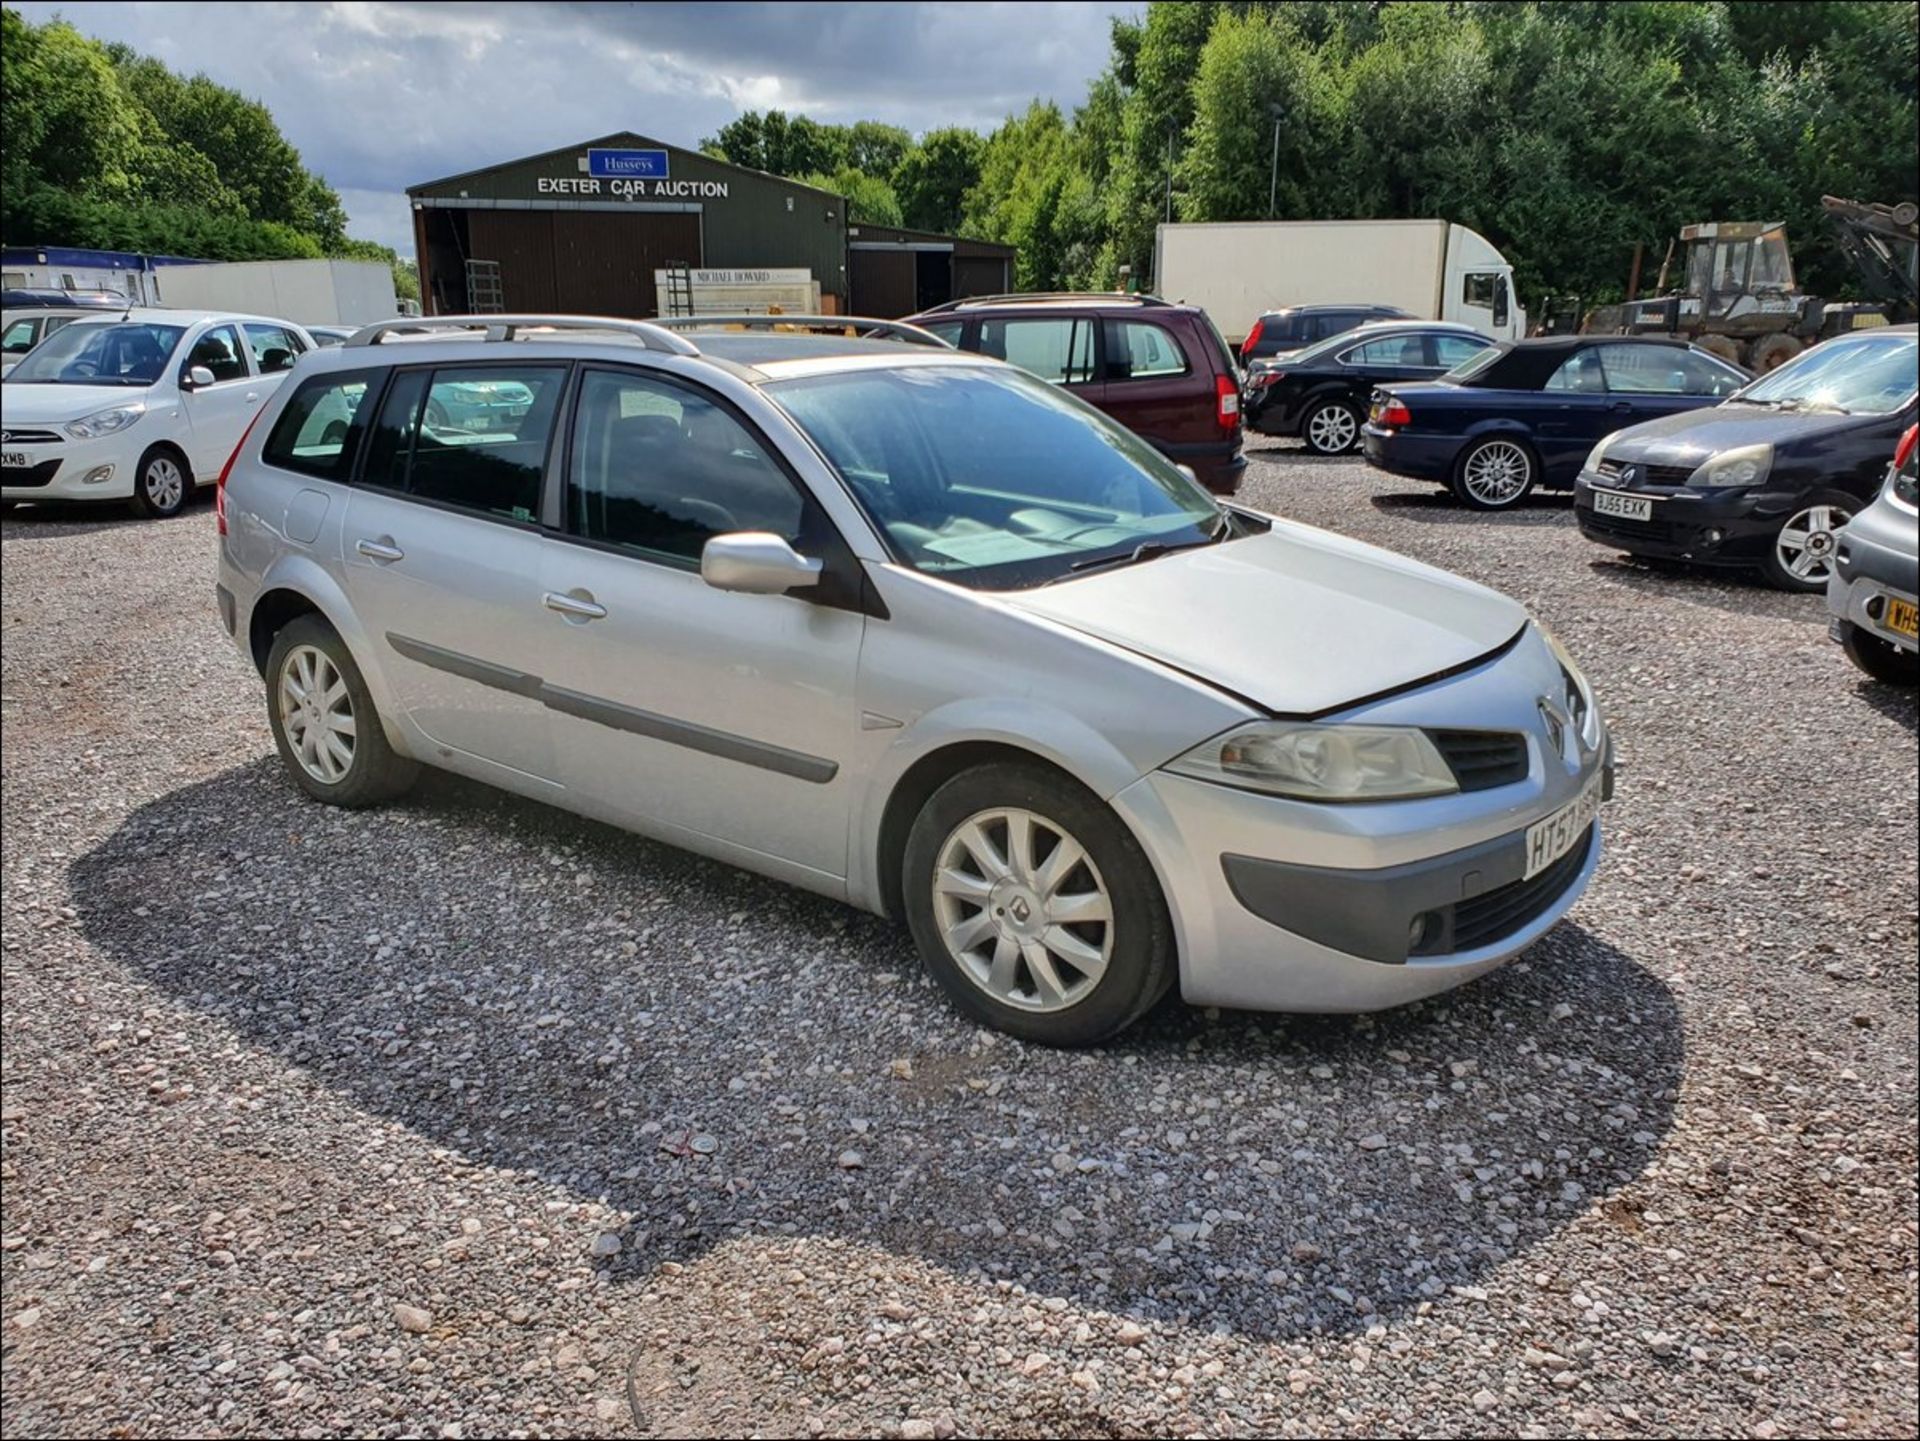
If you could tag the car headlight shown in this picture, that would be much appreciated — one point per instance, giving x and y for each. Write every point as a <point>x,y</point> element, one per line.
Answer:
<point>1322,762</point>
<point>1597,454</point>
<point>104,422</point>
<point>1746,466</point>
<point>1586,713</point>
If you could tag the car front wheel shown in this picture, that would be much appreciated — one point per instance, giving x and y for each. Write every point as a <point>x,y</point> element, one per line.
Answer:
<point>1034,907</point>
<point>1803,550</point>
<point>324,723</point>
<point>1331,428</point>
<point>161,483</point>
<point>1495,474</point>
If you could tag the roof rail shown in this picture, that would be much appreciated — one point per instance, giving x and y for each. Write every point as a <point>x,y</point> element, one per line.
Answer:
<point>1018,297</point>
<point>506,327</point>
<point>861,325</point>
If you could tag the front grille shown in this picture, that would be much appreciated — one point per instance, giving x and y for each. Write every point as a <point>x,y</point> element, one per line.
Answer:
<point>1481,760</point>
<point>1500,912</point>
<point>31,437</point>
<point>1673,476</point>
<point>24,476</point>
<point>1612,526</point>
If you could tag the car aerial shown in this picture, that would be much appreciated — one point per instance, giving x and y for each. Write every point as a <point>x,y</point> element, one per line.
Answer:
<point>1321,393</point>
<point>1765,479</point>
<point>1160,369</point>
<point>1278,333</point>
<point>145,404</point>
<point>1874,591</point>
<point>331,334</point>
<point>1524,413</point>
<point>21,330</point>
<point>914,629</point>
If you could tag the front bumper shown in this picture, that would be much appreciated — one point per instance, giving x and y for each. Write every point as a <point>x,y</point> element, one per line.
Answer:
<point>1719,527</point>
<point>68,469</point>
<point>1292,906</point>
<point>1420,456</point>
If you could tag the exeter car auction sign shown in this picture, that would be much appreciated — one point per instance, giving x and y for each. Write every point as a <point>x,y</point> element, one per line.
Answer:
<point>629,175</point>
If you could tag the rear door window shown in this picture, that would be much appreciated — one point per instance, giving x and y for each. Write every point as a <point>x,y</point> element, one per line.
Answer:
<point>1391,352</point>
<point>948,330</point>
<point>1579,373</point>
<point>274,347</point>
<point>1137,350</point>
<point>1058,349</point>
<point>315,434</point>
<point>1452,350</point>
<point>473,438</point>
<point>19,338</point>
<point>1664,370</point>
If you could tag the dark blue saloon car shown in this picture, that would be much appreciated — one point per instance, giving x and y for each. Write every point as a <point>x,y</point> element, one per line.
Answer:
<point>1525,413</point>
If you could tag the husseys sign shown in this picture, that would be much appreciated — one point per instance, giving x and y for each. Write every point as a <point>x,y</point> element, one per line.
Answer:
<point>630,175</point>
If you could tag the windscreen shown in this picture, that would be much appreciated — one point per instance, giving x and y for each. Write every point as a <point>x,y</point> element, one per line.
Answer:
<point>993,479</point>
<point>1856,375</point>
<point>133,353</point>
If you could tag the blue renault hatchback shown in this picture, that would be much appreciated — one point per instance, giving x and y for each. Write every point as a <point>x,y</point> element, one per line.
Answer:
<point>1525,413</point>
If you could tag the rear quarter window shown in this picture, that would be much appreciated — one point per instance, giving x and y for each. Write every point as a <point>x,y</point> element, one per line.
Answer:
<point>317,432</point>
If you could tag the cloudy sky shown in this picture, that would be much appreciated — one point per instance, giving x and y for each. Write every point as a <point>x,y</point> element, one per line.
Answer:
<point>379,97</point>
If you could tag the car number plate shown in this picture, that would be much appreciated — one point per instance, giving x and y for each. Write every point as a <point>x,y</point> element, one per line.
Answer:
<point>1627,507</point>
<point>1903,617</point>
<point>16,460</point>
<point>1552,838</point>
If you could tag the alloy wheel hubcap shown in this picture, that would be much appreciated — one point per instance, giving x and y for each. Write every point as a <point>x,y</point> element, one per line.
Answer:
<point>316,712</point>
<point>1331,428</point>
<point>1806,546</point>
<point>165,484</point>
<point>1023,910</point>
<point>1496,474</point>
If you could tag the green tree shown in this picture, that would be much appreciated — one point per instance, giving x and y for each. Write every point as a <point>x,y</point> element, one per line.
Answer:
<point>934,178</point>
<point>870,200</point>
<point>876,149</point>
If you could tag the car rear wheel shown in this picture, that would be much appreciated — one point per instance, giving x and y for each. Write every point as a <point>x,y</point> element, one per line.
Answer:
<point>324,723</point>
<point>1495,474</point>
<point>1034,907</point>
<point>161,483</point>
<point>1803,549</point>
<point>1881,659</point>
<point>1331,428</point>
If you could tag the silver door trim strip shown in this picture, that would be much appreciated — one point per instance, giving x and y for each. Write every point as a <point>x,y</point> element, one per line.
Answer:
<point>815,770</point>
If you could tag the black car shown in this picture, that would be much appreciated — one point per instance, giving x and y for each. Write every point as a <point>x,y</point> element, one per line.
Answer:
<point>1321,394</point>
<point>1523,413</point>
<point>52,299</point>
<point>1764,479</point>
<point>1295,327</point>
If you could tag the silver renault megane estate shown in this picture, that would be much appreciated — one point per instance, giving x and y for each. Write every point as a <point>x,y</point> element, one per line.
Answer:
<point>828,600</point>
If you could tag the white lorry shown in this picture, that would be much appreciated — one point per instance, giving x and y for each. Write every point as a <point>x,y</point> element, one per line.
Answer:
<point>307,292</point>
<point>1238,270</point>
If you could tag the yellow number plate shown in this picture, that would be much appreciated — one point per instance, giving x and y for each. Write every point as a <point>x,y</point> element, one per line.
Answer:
<point>1903,618</point>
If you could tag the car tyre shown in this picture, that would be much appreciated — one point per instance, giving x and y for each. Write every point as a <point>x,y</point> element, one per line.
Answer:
<point>1881,659</point>
<point>1497,472</point>
<point>1800,554</point>
<point>1034,907</point>
<point>162,483</point>
<point>1331,428</point>
<point>334,747</point>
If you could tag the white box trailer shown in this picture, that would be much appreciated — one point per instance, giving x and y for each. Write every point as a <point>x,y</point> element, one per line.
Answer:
<point>307,292</point>
<point>1433,269</point>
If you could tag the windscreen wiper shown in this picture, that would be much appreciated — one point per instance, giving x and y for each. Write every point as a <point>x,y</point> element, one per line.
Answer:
<point>1152,549</point>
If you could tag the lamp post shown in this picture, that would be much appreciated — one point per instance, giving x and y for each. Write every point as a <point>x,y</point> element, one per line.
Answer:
<point>1273,182</point>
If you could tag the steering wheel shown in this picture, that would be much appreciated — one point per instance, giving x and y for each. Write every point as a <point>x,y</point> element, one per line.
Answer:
<point>84,367</point>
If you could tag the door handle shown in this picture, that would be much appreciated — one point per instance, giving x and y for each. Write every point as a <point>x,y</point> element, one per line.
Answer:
<point>253,395</point>
<point>574,606</point>
<point>379,550</point>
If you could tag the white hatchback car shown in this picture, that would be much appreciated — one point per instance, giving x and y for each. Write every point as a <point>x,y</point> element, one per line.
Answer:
<point>912,628</point>
<point>139,404</point>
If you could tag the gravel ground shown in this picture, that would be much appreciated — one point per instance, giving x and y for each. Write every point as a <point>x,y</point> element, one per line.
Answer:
<point>470,1117</point>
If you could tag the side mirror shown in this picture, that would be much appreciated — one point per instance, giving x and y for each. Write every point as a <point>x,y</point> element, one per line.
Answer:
<point>756,562</point>
<point>198,376</point>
